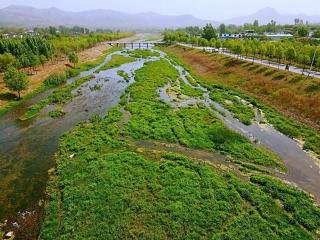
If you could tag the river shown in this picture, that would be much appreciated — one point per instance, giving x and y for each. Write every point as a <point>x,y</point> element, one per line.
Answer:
<point>27,148</point>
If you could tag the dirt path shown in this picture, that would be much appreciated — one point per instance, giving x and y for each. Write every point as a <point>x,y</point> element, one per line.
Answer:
<point>50,68</point>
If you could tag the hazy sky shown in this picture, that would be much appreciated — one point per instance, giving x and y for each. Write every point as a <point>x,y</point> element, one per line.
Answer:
<point>207,9</point>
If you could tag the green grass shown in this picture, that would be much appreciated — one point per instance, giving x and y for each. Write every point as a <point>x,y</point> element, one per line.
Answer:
<point>59,96</point>
<point>58,113</point>
<point>123,74</point>
<point>116,61</point>
<point>108,190</point>
<point>143,53</point>
<point>192,127</point>
<point>229,100</point>
<point>107,187</point>
<point>190,91</point>
<point>55,80</point>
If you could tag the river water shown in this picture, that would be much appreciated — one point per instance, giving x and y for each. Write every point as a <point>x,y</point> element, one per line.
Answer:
<point>27,148</point>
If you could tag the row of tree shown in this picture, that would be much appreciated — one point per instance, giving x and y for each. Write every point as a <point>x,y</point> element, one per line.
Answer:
<point>287,51</point>
<point>29,52</point>
<point>26,52</point>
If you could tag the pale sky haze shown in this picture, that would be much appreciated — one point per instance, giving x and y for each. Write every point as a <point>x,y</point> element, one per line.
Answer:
<point>206,9</point>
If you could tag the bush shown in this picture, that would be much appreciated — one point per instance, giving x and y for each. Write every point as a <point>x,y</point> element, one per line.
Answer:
<point>55,80</point>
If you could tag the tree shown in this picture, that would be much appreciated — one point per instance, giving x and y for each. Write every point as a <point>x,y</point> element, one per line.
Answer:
<point>291,54</point>
<point>43,59</point>
<point>238,49</point>
<point>279,53</point>
<point>256,23</point>
<point>73,58</point>
<point>270,51</point>
<point>262,51</point>
<point>302,31</point>
<point>222,28</point>
<point>254,46</point>
<point>209,32</point>
<point>218,44</point>
<point>6,60</point>
<point>15,80</point>
<point>304,59</point>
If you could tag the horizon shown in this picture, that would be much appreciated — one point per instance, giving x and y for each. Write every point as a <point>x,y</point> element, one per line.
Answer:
<point>220,13</point>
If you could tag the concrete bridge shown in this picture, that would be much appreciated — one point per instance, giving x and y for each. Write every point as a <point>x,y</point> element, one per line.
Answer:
<point>135,44</point>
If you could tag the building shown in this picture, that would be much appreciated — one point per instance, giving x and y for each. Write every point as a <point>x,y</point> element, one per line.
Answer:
<point>230,36</point>
<point>244,34</point>
<point>278,36</point>
<point>249,33</point>
<point>31,33</point>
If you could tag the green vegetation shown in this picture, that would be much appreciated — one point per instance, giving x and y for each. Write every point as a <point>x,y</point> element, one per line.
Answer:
<point>15,80</point>
<point>58,113</point>
<point>73,58</point>
<point>59,96</point>
<point>123,74</point>
<point>116,61</point>
<point>220,91</point>
<point>192,127</point>
<point>55,80</point>
<point>96,87</point>
<point>232,102</point>
<point>143,53</point>
<point>190,91</point>
<point>107,185</point>
<point>27,52</point>
<point>90,64</point>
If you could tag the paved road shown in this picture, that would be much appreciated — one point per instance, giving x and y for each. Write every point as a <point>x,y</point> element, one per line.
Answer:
<point>249,59</point>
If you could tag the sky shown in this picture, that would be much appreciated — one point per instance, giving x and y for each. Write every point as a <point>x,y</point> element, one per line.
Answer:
<point>205,9</point>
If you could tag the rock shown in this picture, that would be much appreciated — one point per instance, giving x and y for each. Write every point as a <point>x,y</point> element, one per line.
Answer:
<point>9,235</point>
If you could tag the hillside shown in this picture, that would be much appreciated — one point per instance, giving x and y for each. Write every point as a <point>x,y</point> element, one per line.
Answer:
<point>30,17</point>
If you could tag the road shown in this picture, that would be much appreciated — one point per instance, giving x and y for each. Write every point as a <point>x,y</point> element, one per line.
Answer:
<point>268,63</point>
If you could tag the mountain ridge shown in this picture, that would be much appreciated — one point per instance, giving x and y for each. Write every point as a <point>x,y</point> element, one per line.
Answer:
<point>27,16</point>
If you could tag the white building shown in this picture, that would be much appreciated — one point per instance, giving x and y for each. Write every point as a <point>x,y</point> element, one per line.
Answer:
<point>278,36</point>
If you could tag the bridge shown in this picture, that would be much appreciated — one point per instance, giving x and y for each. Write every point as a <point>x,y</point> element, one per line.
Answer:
<point>135,44</point>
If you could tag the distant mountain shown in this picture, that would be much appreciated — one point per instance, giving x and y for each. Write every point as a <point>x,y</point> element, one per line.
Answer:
<point>265,15</point>
<point>24,16</point>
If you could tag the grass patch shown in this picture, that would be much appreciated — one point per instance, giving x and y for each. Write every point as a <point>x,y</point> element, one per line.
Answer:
<point>116,61</point>
<point>96,87</point>
<point>58,113</point>
<point>143,53</point>
<point>55,80</point>
<point>124,75</point>
<point>229,100</point>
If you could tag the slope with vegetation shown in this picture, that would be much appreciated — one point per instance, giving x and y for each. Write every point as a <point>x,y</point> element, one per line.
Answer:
<point>108,184</point>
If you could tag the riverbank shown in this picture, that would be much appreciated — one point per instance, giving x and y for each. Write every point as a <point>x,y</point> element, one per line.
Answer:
<point>8,100</point>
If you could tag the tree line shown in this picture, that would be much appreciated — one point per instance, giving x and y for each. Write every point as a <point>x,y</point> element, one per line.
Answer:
<point>29,52</point>
<point>300,52</point>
